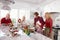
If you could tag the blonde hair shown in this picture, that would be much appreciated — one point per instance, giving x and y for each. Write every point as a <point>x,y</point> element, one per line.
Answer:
<point>48,14</point>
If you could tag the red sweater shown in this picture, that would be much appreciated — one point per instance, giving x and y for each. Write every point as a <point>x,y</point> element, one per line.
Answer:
<point>5,21</point>
<point>40,19</point>
<point>49,23</point>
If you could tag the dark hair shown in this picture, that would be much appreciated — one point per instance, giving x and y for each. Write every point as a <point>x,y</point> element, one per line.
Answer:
<point>36,13</point>
<point>19,19</point>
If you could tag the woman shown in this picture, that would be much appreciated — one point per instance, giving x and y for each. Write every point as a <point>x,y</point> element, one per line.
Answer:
<point>24,21</point>
<point>48,24</point>
<point>38,22</point>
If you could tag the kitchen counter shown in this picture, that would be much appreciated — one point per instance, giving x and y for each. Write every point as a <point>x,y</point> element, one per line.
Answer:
<point>32,36</point>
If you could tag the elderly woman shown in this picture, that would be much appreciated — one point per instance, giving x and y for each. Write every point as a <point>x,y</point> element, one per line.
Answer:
<point>48,24</point>
<point>24,21</point>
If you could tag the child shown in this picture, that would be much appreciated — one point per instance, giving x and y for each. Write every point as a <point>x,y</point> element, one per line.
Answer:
<point>19,23</point>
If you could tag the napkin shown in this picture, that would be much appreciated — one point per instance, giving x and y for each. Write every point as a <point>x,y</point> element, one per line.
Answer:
<point>2,34</point>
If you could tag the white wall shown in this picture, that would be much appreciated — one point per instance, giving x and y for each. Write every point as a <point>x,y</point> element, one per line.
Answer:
<point>53,7</point>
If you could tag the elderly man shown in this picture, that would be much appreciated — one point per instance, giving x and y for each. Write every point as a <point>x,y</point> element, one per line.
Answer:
<point>6,20</point>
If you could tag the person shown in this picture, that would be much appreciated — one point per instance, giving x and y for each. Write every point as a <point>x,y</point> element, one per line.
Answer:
<point>6,20</point>
<point>19,23</point>
<point>48,24</point>
<point>19,20</point>
<point>24,21</point>
<point>38,20</point>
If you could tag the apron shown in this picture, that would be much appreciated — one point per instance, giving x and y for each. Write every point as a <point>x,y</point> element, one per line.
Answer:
<point>47,31</point>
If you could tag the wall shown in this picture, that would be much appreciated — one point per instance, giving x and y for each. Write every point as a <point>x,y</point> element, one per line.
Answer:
<point>53,7</point>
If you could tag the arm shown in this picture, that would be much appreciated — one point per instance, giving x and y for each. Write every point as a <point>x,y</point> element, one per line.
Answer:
<point>51,23</point>
<point>34,22</point>
<point>10,21</point>
<point>42,22</point>
<point>2,21</point>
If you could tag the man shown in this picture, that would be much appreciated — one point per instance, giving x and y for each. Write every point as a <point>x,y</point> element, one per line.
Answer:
<point>6,20</point>
<point>38,20</point>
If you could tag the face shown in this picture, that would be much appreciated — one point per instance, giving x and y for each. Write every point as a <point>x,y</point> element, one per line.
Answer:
<point>23,17</point>
<point>19,21</point>
<point>35,16</point>
<point>7,16</point>
<point>46,16</point>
